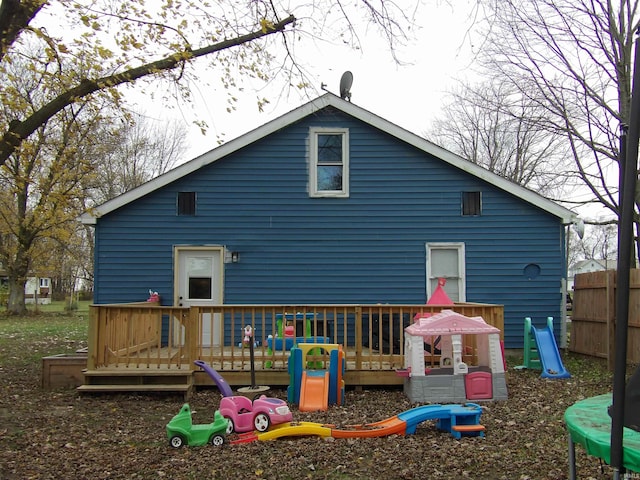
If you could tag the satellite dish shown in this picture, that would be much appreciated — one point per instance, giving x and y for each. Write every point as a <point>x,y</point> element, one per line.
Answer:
<point>579,227</point>
<point>345,85</point>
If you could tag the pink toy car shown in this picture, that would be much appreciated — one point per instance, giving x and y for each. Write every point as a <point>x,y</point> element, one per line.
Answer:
<point>246,416</point>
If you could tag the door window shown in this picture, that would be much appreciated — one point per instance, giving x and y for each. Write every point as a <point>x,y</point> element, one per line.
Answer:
<point>199,274</point>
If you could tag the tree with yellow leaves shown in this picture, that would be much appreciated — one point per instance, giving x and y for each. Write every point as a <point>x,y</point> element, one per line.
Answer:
<point>62,66</point>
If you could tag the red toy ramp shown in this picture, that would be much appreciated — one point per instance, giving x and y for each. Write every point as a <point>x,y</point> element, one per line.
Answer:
<point>314,391</point>
<point>390,426</point>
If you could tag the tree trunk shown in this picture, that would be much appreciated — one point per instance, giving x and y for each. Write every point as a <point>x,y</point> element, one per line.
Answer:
<point>16,305</point>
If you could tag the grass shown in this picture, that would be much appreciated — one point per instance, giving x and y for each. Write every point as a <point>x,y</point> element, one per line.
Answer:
<point>44,333</point>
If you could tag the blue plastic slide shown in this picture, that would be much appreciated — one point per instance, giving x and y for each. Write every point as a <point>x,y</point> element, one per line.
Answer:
<point>549,354</point>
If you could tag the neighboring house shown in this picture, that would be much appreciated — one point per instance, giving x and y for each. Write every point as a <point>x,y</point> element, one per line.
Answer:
<point>37,290</point>
<point>4,279</point>
<point>35,287</point>
<point>586,266</point>
<point>332,204</point>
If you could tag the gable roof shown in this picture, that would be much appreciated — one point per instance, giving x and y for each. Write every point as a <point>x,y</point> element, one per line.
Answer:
<point>326,100</point>
<point>448,322</point>
<point>602,264</point>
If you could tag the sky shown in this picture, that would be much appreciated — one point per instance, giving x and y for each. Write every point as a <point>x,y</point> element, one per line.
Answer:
<point>408,94</point>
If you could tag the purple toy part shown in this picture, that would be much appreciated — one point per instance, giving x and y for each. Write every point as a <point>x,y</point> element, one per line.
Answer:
<point>247,416</point>
<point>222,384</point>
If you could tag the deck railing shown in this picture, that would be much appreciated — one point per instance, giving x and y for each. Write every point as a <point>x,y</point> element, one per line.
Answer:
<point>150,336</point>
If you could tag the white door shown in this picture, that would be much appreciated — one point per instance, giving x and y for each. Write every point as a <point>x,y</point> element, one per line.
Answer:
<point>446,260</point>
<point>199,283</point>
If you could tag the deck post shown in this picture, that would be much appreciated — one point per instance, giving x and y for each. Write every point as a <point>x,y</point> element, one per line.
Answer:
<point>192,333</point>
<point>358,335</point>
<point>92,337</point>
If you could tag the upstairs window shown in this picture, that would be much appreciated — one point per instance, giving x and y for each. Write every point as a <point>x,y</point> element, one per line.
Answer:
<point>186,203</point>
<point>471,204</point>
<point>329,162</point>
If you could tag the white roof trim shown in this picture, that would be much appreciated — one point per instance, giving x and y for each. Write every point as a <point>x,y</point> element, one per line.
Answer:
<point>313,106</point>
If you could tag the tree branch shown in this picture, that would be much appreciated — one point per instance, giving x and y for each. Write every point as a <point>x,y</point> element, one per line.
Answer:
<point>15,16</point>
<point>20,130</point>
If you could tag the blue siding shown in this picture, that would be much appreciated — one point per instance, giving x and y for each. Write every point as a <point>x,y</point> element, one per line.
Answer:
<point>368,248</point>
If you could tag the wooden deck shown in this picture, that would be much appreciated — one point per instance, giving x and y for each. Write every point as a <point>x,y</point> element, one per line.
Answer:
<point>145,347</point>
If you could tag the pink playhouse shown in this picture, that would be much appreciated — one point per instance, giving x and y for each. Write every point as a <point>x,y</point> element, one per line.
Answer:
<point>454,338</point>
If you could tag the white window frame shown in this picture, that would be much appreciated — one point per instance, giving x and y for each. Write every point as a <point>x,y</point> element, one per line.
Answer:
<point>461,274</point>
<point>313,162</point>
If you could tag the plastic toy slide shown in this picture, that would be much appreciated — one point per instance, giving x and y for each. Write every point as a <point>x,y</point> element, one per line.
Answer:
<point>314,391</point>
<point>298,429</point>
<point>552,366</point>
<point>390,426</point>
<point>459,420</point>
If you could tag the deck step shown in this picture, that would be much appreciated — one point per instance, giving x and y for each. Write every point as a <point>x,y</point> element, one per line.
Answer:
<point>136,372</point>
<point>134,388</point>
<point>138,380</point>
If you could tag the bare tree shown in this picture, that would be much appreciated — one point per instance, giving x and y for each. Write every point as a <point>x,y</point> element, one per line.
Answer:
<point>601,244</point>
<point>498,128</point>
<point>132,153</point>
<point>573,58</point>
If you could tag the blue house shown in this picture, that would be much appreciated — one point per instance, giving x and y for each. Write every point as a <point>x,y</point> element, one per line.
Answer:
<point>331,204</point>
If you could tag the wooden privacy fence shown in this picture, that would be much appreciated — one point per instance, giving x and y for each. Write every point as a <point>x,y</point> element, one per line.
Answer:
<point>594,315</point>
<point>145,336</point>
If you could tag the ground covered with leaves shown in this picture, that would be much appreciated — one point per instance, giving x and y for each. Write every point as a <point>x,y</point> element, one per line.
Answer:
<point>60,434</point>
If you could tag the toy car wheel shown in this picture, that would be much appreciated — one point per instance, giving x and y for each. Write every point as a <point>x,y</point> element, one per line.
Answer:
<point>176,441</point>
<point>261,422</point>
<point>217,440</point>
<point>230,426</point>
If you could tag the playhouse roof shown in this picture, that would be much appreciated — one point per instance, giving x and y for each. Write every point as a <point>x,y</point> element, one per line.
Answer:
<point>448,322</point>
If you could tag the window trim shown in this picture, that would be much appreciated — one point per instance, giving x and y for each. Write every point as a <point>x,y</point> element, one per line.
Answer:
<point>462,271</point>
<point>313,162</point>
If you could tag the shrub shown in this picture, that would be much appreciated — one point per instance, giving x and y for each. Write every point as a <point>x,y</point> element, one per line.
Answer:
<point>85,295</point>
<point>70,305</point>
